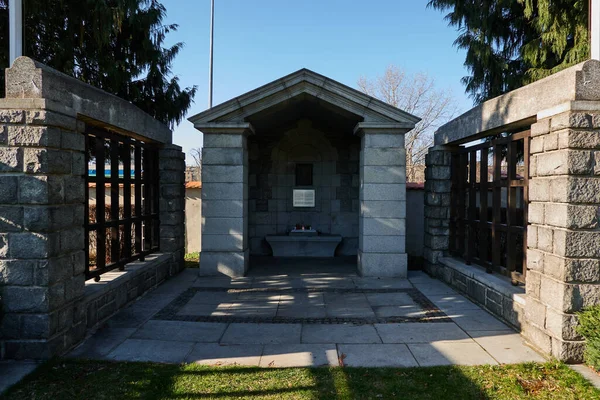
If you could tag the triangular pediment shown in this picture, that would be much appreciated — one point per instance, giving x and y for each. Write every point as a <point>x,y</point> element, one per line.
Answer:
<point>304,83</point>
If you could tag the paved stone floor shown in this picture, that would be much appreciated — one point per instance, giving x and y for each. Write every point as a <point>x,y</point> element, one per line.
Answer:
<point>306,319</point>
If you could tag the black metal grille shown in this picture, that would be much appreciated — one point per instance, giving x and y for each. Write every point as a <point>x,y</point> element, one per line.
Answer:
<point>489,204</point>
<point>122,221</point>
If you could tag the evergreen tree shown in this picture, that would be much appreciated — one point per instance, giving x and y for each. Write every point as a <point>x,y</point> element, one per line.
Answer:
<point>511,43</point>
<point>115,45</point>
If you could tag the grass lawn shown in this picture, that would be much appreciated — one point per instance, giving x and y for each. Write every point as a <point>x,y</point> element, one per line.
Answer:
<point>73,379</point>
<point>192,260</point>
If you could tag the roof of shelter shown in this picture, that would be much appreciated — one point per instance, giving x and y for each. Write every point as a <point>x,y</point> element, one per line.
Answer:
<point>304,83</point>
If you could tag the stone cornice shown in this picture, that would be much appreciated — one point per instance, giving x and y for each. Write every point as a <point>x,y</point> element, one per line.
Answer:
<point>386,128</point>
<point>244,128</point>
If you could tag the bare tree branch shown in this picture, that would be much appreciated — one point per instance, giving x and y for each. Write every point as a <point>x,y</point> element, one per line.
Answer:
<point>419,95</point>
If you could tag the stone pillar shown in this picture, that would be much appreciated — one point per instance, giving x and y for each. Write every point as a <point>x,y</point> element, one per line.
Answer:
<point>437,205</point>
<point>563,260</point>
<point>225,200</point>
<point>382,222</point>
<point>42,195</point>
<point>171,166</point>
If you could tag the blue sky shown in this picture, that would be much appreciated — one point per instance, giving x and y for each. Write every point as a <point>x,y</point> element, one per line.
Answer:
<point>257,41</point>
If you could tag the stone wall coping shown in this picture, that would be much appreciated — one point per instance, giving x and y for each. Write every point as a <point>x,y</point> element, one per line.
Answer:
<point>520,107</point>
<point>113,279</point>
<point>31,82</point>
<point>244,128</point>
<point>495,282</point>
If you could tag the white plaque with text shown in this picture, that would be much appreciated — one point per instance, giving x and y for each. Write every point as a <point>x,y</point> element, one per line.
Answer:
<point>304,198</point>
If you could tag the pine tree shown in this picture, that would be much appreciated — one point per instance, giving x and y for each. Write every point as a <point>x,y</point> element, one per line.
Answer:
<point>116,45</point>
<point>510,43</point>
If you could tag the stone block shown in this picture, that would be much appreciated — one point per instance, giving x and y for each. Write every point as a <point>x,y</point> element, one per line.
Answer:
<point>573,139</point>
<point>535,313</point>
<point>233,264</point>
<point>78,166</point>
<point>17,272</point>
<point>572,216</point>
<point>383,140</point>
<point>37,136</point>
<point>561,325</point>
<point>535,260</point>
<point>536,213</point>
<point>558,295</point>
<point>570,352</point>
<point>544,239</point>
<point>72,141</point>
<point>11,159</point>
<point>382,265</point>
<point>223,140</point>
<point>223,156</point>
<point>537,337</point>
<point>223,174</point>
<point>575,190</point>
<point>551,142</point>
<point>384,174</point>
<point>384,156</point>
<point>223,208</point>
<point>25,299</point>
<point>8,189</point>
<point>11,218</point>
<point>382,209</point>
<point>382,244</point>
<point>533,284</point>
<point>28,245</point>
<point>584,244</point>
<point>50,118</point>
<point>565,162</point>
<point>383,191</point>
<point>541,127</point>
<point>537,145</point>
<point>222,226</point>
<point>229,242</point>
<point>539,190</point>
<point>12,116</point>
<point>33,189</point>
<point>532,236</point>
<point>383,227</point>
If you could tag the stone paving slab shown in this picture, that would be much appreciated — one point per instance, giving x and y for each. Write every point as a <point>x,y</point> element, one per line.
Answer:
<point>11,372</point>
<point>506,347</point>
<point>452,303</point>
<point>299,355</point>
<point>152,350</point>
<point>477,320</point>
<point>381,283</point>
<point>348,311</point>
<point>301,311</point>
<point>253,333</point>
<point>390,299</point>
<point>450,353</point>
<point>376,355</point>
<point>421,333</point>
<point>200,310</point>
<point>181,331</point>
<point>434,288</point>
<point>320,333</point>
<point>216,354</point>
<point>213,298</point>
<point>102,342</point>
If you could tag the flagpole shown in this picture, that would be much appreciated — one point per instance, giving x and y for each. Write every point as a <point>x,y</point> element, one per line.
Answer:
<point>210,67</point>
<point>15,20</point>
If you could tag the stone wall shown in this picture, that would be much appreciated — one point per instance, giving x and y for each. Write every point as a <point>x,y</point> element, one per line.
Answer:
<point>563,235</point>
<point>273,158</point>
<point>42,205</point>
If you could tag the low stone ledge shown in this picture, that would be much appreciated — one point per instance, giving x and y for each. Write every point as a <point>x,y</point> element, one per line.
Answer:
<point>495,293</point>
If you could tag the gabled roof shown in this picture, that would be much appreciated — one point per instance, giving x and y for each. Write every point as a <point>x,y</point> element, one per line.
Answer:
<point>304,82</point>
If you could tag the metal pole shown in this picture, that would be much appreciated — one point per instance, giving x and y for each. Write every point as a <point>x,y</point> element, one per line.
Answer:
<point>595,29</point>
<point>15,21</point>
<point>210,67</point>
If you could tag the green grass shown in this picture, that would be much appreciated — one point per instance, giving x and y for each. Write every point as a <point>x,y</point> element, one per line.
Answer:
<point>192,260</point>
<point>72,379</point>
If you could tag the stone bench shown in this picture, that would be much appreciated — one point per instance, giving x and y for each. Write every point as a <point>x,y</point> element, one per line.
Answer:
<point>303,245</point>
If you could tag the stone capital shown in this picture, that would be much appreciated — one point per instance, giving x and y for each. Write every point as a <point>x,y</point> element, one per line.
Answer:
<point>393,128</point>
<point>230,128</point>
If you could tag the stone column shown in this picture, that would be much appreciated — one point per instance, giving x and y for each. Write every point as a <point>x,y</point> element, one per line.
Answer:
<point>171,166</point>
<point>382,222</point>
<point>563,260</point>
<point>225,200</point>
<point>42,195</point>
<point>437,205</point>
